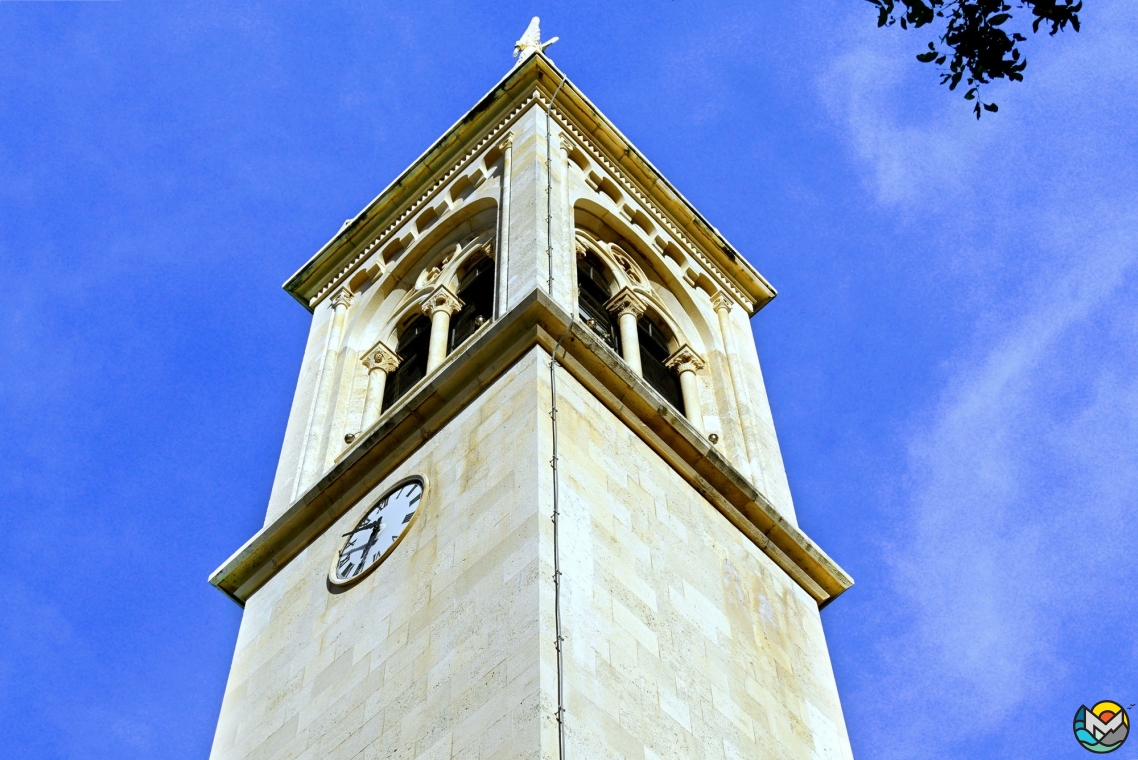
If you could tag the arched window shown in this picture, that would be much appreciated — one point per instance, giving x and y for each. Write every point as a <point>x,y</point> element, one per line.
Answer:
<point>653,353</point>
<point>592,292</point>
<point>476,291</point>
<point>413,343</point>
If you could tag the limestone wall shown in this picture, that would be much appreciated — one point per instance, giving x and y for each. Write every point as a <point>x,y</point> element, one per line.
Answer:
<point>435,653</point>
<point>683,639</point>
<point>288,465</point>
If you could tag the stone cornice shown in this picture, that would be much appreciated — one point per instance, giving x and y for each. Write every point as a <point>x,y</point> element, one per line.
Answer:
<point>423,412</point>
<point>752,297</point>
<point>315,280</point>
<point>529,83</point>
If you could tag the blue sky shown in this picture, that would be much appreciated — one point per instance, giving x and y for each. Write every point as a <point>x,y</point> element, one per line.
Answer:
<point>952,357</point>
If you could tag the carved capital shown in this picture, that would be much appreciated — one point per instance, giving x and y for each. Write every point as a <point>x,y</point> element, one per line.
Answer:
<point>506,142</point>
<point>441,299</point>
<point>342,297</point>
<point>721,301</point>
<point>626,302</point>
<point>684,359</point>
<point>381,357</point>
<point>566,143</point>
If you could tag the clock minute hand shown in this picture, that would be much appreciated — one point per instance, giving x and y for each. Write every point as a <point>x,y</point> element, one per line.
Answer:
<point>365,526</point>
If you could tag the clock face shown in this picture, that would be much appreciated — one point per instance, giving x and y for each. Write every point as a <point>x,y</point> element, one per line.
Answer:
<point>378,532</point>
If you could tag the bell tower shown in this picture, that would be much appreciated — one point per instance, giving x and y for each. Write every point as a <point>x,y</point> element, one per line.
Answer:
<point>530,502</point>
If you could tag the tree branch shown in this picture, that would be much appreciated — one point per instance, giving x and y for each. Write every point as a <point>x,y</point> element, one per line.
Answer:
<point>976,46</point>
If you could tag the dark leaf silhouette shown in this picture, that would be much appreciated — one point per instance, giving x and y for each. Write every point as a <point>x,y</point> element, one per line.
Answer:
<point>972,40</point>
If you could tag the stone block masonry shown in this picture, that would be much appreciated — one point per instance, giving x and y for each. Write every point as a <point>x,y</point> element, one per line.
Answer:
<point>683,639</point>
<point>435,653</point>
<point>689,599</point>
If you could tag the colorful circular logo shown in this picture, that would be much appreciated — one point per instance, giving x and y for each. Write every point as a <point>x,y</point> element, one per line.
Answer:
<point>1102,728</point>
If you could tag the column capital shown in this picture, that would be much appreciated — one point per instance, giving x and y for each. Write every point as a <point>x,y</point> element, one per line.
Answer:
<point>441,299</point>
<point>566,143</point>
<point>342,297</point>
<point>506,141</point>
<point>488,248</point>
<point>684,359</point>
<point>626,302</point>
<point>381,357</point>
<point>721,301</point>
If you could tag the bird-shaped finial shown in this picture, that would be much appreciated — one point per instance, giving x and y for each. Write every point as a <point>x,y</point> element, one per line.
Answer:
<point>530,42</point>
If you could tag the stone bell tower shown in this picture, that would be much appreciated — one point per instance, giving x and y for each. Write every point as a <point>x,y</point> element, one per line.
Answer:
<point>530,502</point>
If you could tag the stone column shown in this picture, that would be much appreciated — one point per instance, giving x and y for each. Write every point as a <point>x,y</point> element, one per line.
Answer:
<point>566,148</point>
<point>379,360</point>
<point>501,270</point>
<point>439,306</point>
<point>686,362</point>
<point>628,308</point>
<point>312,455</point>
<point>723,304</point>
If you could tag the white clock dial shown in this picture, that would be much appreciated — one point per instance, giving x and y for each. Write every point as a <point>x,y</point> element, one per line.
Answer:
<point>378,531</point>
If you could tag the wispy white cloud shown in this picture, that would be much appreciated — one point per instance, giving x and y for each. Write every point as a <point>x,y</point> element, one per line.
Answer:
<point>906,160</point>
<point>1017,481</point>
<point>1020,470</point>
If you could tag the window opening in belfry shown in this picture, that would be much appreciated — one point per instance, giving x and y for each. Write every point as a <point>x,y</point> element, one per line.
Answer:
<point>653,353</point>
<point>592,293</point>
<point>413,343</point>
<point>476,291</point>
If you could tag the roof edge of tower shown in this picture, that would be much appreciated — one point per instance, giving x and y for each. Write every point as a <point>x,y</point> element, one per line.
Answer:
<point>334,259</point>
<point>469,371</point>
<point>654,184</point>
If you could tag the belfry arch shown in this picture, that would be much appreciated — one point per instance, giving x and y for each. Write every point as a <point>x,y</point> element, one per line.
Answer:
<point>660,282</point>
<point>635,319</point>
<point>401,329</point>
<point>407,278</point>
